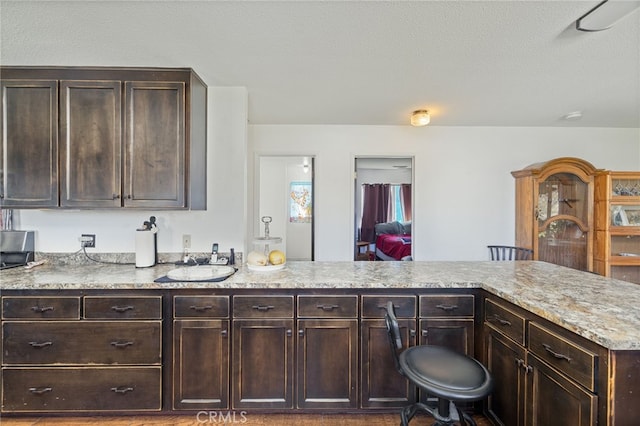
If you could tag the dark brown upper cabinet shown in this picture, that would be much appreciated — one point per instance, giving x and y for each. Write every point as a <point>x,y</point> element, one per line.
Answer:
<point>29,153</point>
<point>121,137</point>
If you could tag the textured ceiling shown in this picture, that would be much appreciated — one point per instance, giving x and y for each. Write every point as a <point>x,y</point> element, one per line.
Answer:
<point>487,63</point>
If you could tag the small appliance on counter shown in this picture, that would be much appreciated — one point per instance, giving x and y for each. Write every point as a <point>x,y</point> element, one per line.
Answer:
<point>147,244</point>
<point>17,248</point>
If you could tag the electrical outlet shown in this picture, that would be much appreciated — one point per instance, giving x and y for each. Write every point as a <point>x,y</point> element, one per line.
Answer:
<point>88,240</point>
<point>186,241</point>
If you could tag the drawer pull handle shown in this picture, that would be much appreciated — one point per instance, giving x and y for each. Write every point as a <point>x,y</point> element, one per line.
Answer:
<point>301,333</point>
<point>121,344</point>
<point>262,307</point>
<point>122,390</point>
<point>42,309</point>
<point>223,333</point>
<point>40,345</point>
<point>555,354</point>
<point>289,332</point>
<point>122,308</point>
<point>447,307</point>
<point>200,308</point>
<point>502,321</point>
<point>40,391</point>
<point>327,307</point>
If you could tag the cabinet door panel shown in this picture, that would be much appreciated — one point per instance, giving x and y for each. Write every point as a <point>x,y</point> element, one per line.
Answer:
<point>327,363</point>
<point>29,150</point>
<point>201,364</point>
<point>155,144</point>
<point>263,363</point>
<point>382,384</point>
<point>90,146</point>
<point>553,399</point>
<point>456,334</point>
<point>504,360</point>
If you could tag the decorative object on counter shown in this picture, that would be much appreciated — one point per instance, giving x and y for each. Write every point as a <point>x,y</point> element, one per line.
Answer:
<point>268,260</point>
<point>147,244</point>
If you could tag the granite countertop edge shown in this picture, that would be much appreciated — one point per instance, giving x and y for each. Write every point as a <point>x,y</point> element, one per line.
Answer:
<point>600,309</point>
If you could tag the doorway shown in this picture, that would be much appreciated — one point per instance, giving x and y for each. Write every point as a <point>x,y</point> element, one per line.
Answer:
<point>285,186</point>
<point>383,208</point>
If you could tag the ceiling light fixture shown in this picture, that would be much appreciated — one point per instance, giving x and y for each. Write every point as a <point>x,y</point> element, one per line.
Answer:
<point>420,118</point>
<point>573,116</point>
<point>605,15</point>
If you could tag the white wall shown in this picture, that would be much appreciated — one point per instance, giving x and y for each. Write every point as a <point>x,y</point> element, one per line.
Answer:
<point>223,221</point>
<point>464,192</point>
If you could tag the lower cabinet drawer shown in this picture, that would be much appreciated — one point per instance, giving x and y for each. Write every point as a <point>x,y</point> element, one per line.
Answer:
<point>81,389</point>
<point>130,307</point>
<point>40,308</point>
<point>327,306</point>
<point>505,321</point>
<point>201,306</point>
<point>375,306</point>
<point>263,306</point>
<point>81,342</point>
<point>564,355</point>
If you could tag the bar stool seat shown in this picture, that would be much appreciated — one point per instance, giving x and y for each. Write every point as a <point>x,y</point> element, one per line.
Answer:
<point>439,372</point>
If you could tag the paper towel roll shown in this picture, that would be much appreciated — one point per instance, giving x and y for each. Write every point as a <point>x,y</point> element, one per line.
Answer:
<point>145,248</point>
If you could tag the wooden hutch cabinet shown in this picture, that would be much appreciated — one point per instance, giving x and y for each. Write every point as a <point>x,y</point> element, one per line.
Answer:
<point>554,211</point>
<point>617,220</point>
<point>121,137</point>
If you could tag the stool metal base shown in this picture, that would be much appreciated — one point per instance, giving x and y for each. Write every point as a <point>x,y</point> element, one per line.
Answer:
<point>445,414</point>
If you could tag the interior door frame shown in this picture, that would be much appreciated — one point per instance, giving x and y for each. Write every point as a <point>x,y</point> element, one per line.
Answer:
<point>355,189</point>
<point>254,225</point>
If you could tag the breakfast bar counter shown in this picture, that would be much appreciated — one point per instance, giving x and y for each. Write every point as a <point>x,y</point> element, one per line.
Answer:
<point>312,336</point>
<point>603,310</point>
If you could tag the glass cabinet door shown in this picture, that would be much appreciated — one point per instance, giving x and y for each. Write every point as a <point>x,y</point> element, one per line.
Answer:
<point>562,220</point>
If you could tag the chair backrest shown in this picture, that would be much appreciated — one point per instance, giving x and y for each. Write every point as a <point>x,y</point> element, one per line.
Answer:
<point>393,330</point>
<point>510,253</point>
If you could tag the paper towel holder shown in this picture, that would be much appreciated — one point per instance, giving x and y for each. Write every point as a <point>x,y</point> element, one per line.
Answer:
<point>147,244</point>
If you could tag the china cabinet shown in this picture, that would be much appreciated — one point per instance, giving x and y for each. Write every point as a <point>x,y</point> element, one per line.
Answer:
<point>617,223</point>
<point>554,211</point>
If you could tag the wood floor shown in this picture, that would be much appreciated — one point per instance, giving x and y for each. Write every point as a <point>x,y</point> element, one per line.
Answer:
<point>228,418</point>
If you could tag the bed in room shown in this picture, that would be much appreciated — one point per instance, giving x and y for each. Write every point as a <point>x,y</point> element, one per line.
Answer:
<point>393,241</point>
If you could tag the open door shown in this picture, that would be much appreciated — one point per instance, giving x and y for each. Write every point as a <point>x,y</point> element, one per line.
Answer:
<point>383,208</point>
<point>286,194</point>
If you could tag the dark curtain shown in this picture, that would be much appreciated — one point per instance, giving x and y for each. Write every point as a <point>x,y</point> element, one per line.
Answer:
<point>405,197</point>
<point>375,208</point>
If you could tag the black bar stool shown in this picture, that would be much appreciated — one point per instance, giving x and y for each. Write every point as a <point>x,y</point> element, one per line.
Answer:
<point>439,372</point>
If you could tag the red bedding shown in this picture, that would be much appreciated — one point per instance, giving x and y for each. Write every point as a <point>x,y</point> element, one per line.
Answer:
<point>396,246</point>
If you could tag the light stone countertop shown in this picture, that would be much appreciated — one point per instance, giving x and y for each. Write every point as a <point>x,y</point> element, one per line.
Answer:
<point>603,310</point>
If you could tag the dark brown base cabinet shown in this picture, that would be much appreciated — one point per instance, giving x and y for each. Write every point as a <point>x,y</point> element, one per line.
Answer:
<point>542,378</point>
<point>182,350</point>
<point>201,352</point>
